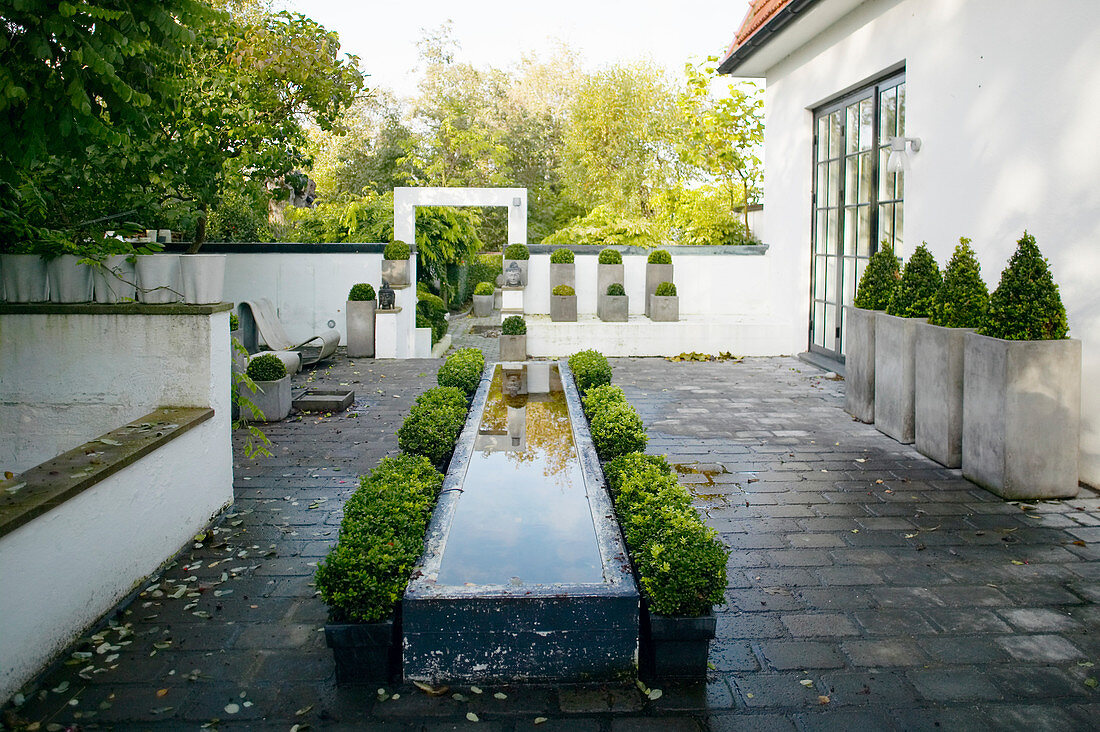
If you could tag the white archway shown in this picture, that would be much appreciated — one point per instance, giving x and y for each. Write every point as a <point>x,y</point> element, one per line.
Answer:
<point>405,201</point>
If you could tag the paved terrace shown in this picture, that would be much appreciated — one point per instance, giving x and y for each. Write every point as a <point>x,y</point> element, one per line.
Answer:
<point>868,587</point>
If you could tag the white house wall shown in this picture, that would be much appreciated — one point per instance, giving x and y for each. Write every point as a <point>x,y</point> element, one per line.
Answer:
<point>1003,95</point>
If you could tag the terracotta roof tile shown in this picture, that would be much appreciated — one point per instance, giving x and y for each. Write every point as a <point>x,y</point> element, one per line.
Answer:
<point>759,13</point>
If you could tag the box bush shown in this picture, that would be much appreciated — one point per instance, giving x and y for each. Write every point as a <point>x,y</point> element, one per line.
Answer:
<point>381,537</point>
<point>397,250</point>
<point>514,325</point>
<point>659,256</point>
<point>599,397</point>
<point>615,289</point>
<point>462,370</point>
<point>665,289</point>
<point>920,281</point>
<point>562,256</point>
<point>683,567</point>
<point>564,291</point>
<point>517,251</point>
<point>267,367</point>
<point>361,292</point>
<point>433,424</point>
<point>963,299</point>
<point>1026,305</point>
<point>616,430</point>
<point>879,280</point>
<point>483,288</point>
<point>234,321</point>
<point>614,470</point>
<point>590,368</point>
<point>610,256</point>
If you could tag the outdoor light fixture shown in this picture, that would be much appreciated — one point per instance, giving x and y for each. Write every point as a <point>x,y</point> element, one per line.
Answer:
<point>899,159</point>
<point>517,201</point>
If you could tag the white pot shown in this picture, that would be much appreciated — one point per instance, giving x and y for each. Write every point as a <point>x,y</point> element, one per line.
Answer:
<point>24,277</point>
<point>114,280</point>
<point>70,281</point>
<point>203,277</point>
<point>158,278</point>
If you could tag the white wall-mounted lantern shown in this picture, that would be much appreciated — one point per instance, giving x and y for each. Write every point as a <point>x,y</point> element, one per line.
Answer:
<point>898,161</point>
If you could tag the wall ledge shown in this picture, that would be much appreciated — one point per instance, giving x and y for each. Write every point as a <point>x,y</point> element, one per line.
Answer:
<point>123,308</point>
<point>677,249</point>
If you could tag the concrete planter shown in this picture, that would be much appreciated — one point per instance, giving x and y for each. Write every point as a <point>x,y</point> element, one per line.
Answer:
<point>1021,416</point>
<point>613,308</point>
<point>365,651</point>
<point>522,264</point>
<point>664,309</point>
<point>938,396</point>
<point>483,305</point>
<point>202,277</point>
<point>675,647</point>
<point>895,368</point>
<point>24,278</point>
<point>272,398</point>
<point>158,278</point>
<point>607,274</point>
<point>360,320</point>
<point>395,271</point>
<point>655,274</point>
<point>563,308</point>
<point>563,274</point>
<point>859,363</point>
<point>70,281</point>
<point>513,347</point>
<point>114,280</point>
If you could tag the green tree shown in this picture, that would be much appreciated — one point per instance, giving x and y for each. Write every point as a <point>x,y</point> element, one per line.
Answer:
<point>724,135</point>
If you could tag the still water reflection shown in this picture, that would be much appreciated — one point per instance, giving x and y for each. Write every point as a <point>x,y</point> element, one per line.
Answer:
<point>523,517</point>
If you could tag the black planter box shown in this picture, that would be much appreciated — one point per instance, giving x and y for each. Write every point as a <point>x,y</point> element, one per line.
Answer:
<point>675,647</point>
<point>365,651</point>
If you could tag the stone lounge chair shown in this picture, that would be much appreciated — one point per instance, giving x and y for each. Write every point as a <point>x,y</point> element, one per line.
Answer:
<point>260,323</point>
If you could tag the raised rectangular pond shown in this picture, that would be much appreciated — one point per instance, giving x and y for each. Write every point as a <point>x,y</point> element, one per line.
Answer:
<point>524,575</point>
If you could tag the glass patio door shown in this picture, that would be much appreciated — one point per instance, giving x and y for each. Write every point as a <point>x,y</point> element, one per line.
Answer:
<point>855,202</point>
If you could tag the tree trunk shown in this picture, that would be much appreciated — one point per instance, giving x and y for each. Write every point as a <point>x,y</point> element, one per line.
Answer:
<point>745,208</point>
<point>200,232</point>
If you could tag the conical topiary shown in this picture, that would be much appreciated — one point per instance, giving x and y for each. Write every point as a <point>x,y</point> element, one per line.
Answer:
<point>1026,305</point>
<point>920,281</point>
<point>879,280</point>
<point>963,299</point>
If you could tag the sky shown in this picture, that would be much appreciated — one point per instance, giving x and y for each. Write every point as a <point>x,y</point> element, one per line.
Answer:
<point>384,33</point>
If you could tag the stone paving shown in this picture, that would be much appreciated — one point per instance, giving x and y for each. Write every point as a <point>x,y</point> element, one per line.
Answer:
<point>868,587</point>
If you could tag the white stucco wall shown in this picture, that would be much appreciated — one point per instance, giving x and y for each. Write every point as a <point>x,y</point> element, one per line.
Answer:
<point>1002,95</point>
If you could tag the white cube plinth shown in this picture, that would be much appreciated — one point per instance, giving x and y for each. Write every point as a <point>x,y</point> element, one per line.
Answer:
<point>511,300</point>
<point>386,343</point>
<point>538,377</point>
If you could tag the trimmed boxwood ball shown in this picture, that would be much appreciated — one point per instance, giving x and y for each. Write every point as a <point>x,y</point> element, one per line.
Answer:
<point>659,256</point>
<point>564,291</point>
<point>462,369</point>
<point>396,249</point>
<point>433,424</point>
<point>590,368</point>
<point>599,397</point>
<point>879,280</point>
<point>267,367</point>
<point>514,325</point>
<point>1026,305</point>
<point>610,256</point>
<point>920,281</point>
<point>616,430</point>
<point>517,251</point>
<point>615,290</point>
<point>963,299</point>
<point>483,288</point>
<point>361,292</point>
<point>683,567</point>
<point>234,321</point>
<point>665,289</point>
<point>562,256</point>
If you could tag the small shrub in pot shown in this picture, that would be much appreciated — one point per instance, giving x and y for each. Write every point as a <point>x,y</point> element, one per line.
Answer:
<point>666,289</point>
<point>919,283</point>
<point>963,299</point>
<point>483,288</point>
<point>683,567</point>
<point>615,289</point>
<point>514,325</point>
<point>610,256</point>
<point>561,256</point>
<point>590,368</point>
<point>266,367</point>
<point>361,292</point>
<point>879,280</point>
<point>659,256</point>
<point>396,250</point>
<point>564,291</point>
<point>517,251</point>
<point>1026,305</point>
<point>462,369</point>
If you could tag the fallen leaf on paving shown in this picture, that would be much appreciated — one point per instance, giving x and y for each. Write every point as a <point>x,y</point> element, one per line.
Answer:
<point>823,699</point>
<point>540,720</point>
<point>475,689</point>
<point>1091,682</point>
<point>162,692</point>
<point>232,708</point>
<point>431,690</point>
<point>303,710</point>
<point>910,536</point>
<point>459,697</point>
<point>655,694</point>
<point>471,716</point>
<point>500,695</point>
<point>807,682</point>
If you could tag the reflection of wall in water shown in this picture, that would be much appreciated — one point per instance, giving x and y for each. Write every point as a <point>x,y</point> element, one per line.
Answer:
<point>514,437</point>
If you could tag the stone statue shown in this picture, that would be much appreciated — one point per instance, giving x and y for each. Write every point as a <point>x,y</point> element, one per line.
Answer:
<point>513,276</point>
<point>512,383</point>
<point>386,296</point>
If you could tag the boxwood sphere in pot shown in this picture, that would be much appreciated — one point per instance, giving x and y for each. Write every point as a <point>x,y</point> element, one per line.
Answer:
<point>267,367</point>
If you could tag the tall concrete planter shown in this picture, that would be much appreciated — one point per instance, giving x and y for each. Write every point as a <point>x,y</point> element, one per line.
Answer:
<point>655,274</point>
<point>272,398</point>
<point>513,348</point>
<point>158,278</point>
<point>483,305</point>
<point>613,308</point>
<point>562,274</point>
<point>70,281</point>
<point>563,308</point>
<point>895,368</point>
<point>664,309</point>
<point>859,363</point>
<point>938,395</point>
<point>360,320</point>
<point>202,277</point>
<point>522,265</point>
<point>607,274</point>
<point>25,278</point>
<point>395,271</point>
<point>1022,416</point>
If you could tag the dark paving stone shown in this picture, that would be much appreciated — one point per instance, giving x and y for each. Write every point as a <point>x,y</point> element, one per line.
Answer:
<point>949,685</point>
<point>795,655</point>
